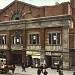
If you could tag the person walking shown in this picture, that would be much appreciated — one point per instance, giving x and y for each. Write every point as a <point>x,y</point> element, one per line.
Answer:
<point>58,66</point>
<point>23,67</point>
<point>41,67</point>
<point>60,72</point>
<point>38,71</point>
<point>45,72</point>
<point>13,68</point>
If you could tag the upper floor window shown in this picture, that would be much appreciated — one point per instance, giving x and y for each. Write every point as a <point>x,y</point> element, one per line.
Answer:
<point>16,16</point>
<point>55,38</point>
<point>2,39</point>
<point>18,40</point>
<point>33,38</point>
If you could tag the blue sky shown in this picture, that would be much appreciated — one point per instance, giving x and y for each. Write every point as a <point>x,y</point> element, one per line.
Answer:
<point>4,3</point>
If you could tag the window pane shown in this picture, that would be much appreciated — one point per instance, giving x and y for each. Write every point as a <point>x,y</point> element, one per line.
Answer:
<point>3,38</point>
<point>0,40</point>
<point>30,39</point>
<point>34,39</point>
<point>21,39</point>
<point>37,38</point>
<point>18,41</point>
<point>58,38</point>
<point>49,38</point>
<point>13,39</point>
<point>54,38</point>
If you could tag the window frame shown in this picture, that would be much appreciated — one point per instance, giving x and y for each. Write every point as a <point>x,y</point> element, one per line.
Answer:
<point>3,40</point>
<point>14,40</point>
<point>37,39</point>
<point>56,40</point>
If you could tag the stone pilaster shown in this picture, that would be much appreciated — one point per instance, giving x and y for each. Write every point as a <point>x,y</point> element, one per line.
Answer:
<point>42,52</point>
<point>24,46</point>
<point>8,57</point>
<point>8,40</point>
<point>65,44</point>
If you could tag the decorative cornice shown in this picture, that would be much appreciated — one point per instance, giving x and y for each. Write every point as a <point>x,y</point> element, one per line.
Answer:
<point>53,21</point>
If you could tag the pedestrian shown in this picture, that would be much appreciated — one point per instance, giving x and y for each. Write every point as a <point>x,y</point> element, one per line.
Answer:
<point>73,73</point>
<point>45,72</point>
<point>58,66</point>
<point>38,71</point>
<point>60,72</point>
<point>23,67</point>
<point>13,68</point>
<point>41,67</point>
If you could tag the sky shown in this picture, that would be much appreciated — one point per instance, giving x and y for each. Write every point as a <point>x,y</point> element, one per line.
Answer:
<point>4,3</point>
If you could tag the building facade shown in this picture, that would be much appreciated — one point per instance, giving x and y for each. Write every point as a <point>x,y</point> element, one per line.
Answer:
<point>42,32</point>
<point>72,36</point>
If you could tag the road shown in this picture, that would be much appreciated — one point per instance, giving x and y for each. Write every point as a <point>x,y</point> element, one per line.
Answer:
<point>33,71</point>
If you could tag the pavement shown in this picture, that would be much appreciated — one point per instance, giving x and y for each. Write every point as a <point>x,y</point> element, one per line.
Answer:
<point>33,71</point>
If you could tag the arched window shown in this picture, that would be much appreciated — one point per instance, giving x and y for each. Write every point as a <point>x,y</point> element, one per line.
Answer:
<point>16,16</point>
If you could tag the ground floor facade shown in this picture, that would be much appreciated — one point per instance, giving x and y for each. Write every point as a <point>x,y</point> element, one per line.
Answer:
<point>46,39</point>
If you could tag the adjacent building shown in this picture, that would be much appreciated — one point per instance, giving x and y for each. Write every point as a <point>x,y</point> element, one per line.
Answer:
<point>45,32</point>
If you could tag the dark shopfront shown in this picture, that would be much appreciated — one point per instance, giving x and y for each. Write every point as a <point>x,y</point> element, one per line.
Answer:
<point>54,57</point>
<point>72,59</point>
<point>2,54</point>
<point>16,57</point>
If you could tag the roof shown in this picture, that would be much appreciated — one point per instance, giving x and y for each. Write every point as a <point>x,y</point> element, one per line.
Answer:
<point>18,2</point>
<point>26,4</point>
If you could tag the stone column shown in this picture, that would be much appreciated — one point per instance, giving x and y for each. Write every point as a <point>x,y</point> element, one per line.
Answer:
<point>42,52</point>
<point>65,45</point>
<point>8,41</point>
<point>24,46</point>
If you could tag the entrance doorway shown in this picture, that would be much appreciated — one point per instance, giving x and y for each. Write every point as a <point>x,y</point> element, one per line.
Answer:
<point>48,61</point>
<point>16,57</point>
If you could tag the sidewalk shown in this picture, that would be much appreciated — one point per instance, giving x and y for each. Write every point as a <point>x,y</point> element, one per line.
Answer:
<point>33,71</point>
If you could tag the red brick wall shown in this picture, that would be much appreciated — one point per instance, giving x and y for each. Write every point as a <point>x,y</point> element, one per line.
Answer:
<point>72,5</point>
<point>71,41</point>
<point>72,2</point>
<point>22,8</point>
<point>59,9</point>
